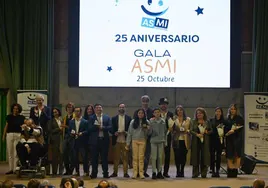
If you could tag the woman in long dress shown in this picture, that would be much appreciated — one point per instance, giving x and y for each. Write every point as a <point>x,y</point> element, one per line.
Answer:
<point>234,140</point>
<point>200,154</point>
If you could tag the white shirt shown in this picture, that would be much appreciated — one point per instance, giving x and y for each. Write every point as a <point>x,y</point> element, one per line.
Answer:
<point>121,128</point>
<point>121,123</point>
<point>100,120</point>
<point>77,125</point>
<point>164,115</point>
<point>58,121</point>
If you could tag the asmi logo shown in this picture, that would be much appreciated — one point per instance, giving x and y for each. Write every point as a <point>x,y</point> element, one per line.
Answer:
<point>154,9</point>
<point>262,103</point>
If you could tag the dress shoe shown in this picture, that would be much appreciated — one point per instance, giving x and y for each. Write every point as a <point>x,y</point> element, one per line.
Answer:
<point>93,176</point>
<point>9,172</point>
<point>113,175</point>
<point>217,174</point>
<point>154,176</point>
<point>166,175</point>
<point>126,175</point>
<point>146,175</point>
<point>106,176</point>
<point>160,176</point>
<point>213,175</point>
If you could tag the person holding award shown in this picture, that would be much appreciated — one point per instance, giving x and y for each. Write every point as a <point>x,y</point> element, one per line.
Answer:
<point>78,130</point>
<point>120,125</point>
<point>200,155</point>
<point>137,135</point>
<point>217,141</point>
<point>234,140</point>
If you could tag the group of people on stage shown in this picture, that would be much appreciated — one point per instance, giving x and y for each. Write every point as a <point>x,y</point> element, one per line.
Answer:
<point>141,139</point>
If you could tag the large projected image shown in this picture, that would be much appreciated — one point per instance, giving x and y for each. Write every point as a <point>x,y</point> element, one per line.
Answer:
<point>154,43</point>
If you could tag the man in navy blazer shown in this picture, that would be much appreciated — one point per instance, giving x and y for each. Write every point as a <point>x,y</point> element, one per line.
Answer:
<point>99,127</point>
<point>78,131</point>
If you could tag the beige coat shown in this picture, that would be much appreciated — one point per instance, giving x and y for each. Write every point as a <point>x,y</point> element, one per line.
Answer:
<point>177,131</point>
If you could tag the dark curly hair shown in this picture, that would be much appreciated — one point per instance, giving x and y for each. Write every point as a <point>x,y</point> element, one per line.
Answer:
<point>86,116</point>
<point>16,105</point>
<point>59,112</point>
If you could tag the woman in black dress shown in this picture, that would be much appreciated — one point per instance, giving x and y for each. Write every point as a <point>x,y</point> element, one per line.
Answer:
<point>217,141</point>
<point>234,140</point>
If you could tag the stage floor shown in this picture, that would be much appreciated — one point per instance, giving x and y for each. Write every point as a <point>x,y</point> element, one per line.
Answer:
<point>242,180</point>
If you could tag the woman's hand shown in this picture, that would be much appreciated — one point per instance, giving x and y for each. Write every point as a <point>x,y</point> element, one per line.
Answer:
<point>4,138</point>
<point>199,135</point>
<point>230,132</point>
<point>127,147</point>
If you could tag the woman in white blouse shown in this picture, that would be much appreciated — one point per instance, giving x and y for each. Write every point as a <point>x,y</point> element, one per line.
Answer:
<point>55,128</point>
<point>180,139</point>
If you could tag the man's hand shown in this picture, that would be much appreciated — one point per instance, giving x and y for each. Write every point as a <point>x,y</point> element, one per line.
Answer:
<point>170,129</point>
<point>153,118</point>
<point>199,135</point>
<point>80,134</point>
<point>127,147</point>
<point>206,132</point>
<point>116,133</point>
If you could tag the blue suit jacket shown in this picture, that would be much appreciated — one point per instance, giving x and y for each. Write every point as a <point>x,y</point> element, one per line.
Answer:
<point>94,130</point>
<point>83,128</point>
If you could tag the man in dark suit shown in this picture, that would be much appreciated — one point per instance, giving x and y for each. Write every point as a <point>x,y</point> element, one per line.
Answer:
<point>78,131</point>
<point>99,127</point>
<point>67,143</point>
<point>120,124</point>
<point>40,115</point>
<point>165,114</point>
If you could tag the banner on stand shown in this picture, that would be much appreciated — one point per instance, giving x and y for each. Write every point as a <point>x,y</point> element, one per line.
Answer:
<point>256,125</point>
<point>26,98</point>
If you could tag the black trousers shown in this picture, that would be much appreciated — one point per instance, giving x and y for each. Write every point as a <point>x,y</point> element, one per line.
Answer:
<point>57,162</point>
<point>215,157</point>
<point>67,152</point>
<point>83,150</point>
<point>101,148</point>
<point>23,154</point>
<point>167,154</point>
<point>180,155</point>
<point>201,167</point>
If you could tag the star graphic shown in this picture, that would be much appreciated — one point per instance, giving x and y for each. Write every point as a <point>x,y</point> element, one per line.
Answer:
<point>109,68</point>
<point>199,10</point>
